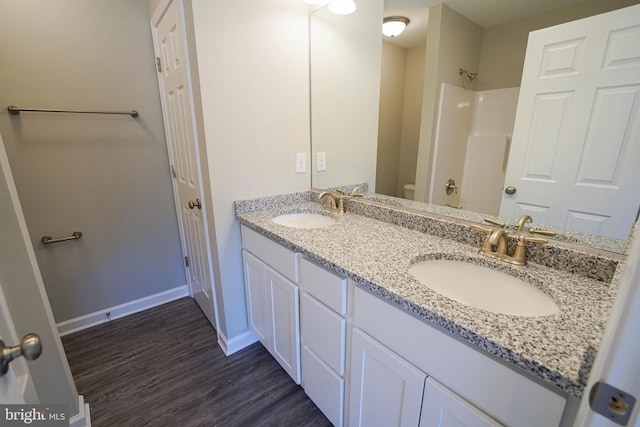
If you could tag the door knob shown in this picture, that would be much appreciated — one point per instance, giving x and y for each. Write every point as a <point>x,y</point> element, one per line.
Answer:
<point>30,348</point>
<point>197,203</point>
<point>510,190</point>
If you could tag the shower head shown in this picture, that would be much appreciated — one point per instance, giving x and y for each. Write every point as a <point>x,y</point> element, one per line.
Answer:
<point>469,74</point>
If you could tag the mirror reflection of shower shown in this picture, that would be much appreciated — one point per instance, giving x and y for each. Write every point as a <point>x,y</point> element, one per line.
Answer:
<point>469,74</point>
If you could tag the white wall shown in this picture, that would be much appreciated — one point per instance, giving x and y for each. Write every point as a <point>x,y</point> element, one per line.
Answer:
<point>411,115</point>
<point>254,90</point>
<point>106,176</point>
<point>453,42</point>
<point>392,92</point>
<point>345,85</point>
<point>402,82</point>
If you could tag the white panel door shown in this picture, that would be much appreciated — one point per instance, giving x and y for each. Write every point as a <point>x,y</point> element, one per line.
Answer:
<point>443,408</point>
<point>386,390</point>
<point>575,153</point>
<point>285,322</point>
<point>16,386</point>
<point>173,75</point>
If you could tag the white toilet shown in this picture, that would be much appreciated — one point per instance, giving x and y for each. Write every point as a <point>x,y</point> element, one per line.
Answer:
<point>409,189</point>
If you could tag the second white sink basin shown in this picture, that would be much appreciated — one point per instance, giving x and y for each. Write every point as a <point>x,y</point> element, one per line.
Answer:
<point>304,220</point>
<point>484,288</point>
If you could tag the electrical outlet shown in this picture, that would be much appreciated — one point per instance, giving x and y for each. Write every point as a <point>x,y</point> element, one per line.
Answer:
<point>301,162</point>
<point>321,161</point>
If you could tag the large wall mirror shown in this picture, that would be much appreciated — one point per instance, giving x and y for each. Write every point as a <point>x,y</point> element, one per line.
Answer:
<point>426,118</point>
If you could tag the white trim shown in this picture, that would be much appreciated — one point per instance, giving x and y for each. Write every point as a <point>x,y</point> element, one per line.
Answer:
<point>236,343</point>
<point>616,361</point>
<point>118,311</point>
<point>83,417</point>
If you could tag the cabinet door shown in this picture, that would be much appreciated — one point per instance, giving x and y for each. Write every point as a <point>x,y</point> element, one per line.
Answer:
<point>256,297</point>
<point>285,323</point>
<point>443,408</point>
<point>386,390</point>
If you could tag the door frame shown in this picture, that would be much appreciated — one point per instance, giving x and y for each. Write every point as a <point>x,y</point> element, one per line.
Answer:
<point>28,304</point>
<point>156,15</point>
<point>616,362</point>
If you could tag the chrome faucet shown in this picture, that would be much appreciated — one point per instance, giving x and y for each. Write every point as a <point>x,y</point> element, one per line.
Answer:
<point>498,239</point>
<point>524,219</point>
<point>333,202</point>
<point>354,191</point>
<point>496,242</point>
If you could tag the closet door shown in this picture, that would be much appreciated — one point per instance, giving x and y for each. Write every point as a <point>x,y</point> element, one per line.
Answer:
<point>169,40</point>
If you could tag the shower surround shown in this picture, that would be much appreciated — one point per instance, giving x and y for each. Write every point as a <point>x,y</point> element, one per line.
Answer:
<point>472,141</point>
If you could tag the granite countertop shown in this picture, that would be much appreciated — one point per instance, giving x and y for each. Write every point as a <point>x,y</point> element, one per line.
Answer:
<point>559,349</point>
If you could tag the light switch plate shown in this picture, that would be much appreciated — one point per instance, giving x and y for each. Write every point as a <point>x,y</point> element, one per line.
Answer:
<point>321,161</point>
<point>301,162</point>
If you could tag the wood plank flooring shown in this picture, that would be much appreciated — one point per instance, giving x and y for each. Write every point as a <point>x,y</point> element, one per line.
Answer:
<point>163,367</point>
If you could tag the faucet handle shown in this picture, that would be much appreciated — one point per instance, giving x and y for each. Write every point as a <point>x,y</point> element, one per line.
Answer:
<point>519,255</point>
<point>494,222</point>
<point>481,228</point>
<point>534,240</point>
<point>542,232</point>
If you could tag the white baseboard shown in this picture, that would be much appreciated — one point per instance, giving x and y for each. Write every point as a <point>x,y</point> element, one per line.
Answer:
<point>83,417</point>
<point>236,343</point>
<point>98,317</point>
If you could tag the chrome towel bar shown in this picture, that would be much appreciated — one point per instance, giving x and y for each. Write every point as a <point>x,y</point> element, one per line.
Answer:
<point>16,110</point>
<point>48,239</point>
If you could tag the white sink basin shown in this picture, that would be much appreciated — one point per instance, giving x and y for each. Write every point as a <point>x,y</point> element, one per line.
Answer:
<point>484,288</point>
<point>304,220</point>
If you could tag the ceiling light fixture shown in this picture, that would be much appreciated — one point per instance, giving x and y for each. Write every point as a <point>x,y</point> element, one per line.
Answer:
<point>342,7</point>
<point>393,26</point>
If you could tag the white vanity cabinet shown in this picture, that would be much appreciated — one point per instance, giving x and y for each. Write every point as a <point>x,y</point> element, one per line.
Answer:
<point>443,408</point>
<point>386,390</point>
<point>272,298</point>
<point>323,328</point>
<point>464,387</point>
<point>366,362</point>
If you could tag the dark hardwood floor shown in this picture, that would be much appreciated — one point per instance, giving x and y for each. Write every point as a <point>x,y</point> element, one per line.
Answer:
<point>163,367</point>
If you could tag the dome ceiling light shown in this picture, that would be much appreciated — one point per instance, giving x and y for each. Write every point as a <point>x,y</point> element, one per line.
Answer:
<point>393,26</point>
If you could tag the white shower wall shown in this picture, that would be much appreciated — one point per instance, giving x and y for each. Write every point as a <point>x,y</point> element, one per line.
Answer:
<point>472,117</point>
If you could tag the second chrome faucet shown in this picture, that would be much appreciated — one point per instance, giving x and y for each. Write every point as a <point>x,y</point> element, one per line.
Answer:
<point>335,201</point>
<point>496,242</point>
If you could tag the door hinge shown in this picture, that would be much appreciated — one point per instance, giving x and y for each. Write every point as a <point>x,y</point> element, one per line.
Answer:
<point>174,174</point>
<point>612,403</point>
<point>186,261</point>
<point>158,64</point>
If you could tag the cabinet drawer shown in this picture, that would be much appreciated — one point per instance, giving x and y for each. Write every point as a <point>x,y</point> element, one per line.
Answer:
<point>277,256</point>
<point>323,331</point>
<point>323,386</point>
<point>327,287</point>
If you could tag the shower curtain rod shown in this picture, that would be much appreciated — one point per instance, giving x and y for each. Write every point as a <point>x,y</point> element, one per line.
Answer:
<point>16,110</point>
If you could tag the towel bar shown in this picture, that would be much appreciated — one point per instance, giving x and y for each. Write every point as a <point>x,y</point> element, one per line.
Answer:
<point>16,110</point>
<point>47,240</point>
